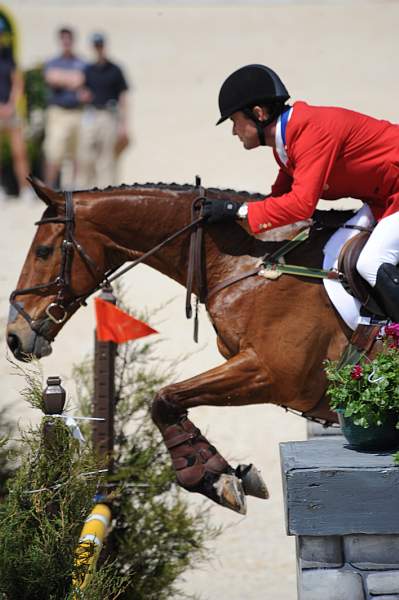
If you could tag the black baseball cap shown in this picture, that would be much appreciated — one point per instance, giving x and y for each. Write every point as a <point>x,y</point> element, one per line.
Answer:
<point>98,39</point>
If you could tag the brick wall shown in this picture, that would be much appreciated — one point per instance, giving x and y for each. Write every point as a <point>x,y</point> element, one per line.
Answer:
<point>341,505</point>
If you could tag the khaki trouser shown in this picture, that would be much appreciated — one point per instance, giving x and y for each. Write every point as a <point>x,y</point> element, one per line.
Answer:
<point>62,133</point>
<point>96,156</point>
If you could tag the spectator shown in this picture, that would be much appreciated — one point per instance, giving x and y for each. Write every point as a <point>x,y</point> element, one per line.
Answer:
<point>64,77</point>
<point>104,121</point>
<point>11,91</point>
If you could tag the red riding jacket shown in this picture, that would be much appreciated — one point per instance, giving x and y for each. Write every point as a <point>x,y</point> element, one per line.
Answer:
<point>332,153</point>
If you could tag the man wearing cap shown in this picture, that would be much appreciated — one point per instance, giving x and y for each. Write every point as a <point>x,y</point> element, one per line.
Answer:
<point>64,78</point>
<point>104,127</point>
<point>322,152</point>
<point>11,91</point>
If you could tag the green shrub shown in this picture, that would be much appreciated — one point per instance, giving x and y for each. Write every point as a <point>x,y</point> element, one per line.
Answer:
<point>154,537</point>
<point>368,391</point>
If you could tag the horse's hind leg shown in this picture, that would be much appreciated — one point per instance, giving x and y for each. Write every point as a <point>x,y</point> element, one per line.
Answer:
<point>199,466</point>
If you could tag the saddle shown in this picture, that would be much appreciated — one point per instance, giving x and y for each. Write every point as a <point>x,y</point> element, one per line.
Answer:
<point>352,281</point>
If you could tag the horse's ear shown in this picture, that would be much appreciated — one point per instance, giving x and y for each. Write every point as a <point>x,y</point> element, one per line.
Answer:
<point>49,196</point>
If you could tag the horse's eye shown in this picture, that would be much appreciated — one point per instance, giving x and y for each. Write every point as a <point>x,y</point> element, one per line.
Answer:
<point>44,252</point>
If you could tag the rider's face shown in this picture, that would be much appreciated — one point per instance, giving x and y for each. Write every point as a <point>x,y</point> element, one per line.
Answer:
<point>245,129</point>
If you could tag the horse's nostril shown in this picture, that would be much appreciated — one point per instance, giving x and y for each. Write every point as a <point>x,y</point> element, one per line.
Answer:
<point>13,342</point>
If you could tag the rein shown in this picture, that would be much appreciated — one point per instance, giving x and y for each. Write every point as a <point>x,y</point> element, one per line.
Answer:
<point>57,311</point>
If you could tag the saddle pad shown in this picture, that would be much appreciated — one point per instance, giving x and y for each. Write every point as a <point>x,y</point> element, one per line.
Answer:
<point>347,306</point>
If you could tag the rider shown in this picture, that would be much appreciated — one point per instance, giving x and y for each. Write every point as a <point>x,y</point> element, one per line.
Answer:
<point>322,152</point>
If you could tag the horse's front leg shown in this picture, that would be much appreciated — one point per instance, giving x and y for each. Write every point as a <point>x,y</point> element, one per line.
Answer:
<point>199,466</point>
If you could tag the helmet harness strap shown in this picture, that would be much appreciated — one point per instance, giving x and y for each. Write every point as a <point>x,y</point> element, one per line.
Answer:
<point>261,125</point>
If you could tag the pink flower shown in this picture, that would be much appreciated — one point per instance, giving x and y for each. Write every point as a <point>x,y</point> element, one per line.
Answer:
<point>357,372</point>
<point>392,330</point>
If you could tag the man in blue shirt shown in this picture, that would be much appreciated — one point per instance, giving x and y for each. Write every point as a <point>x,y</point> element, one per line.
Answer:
<point>64,78</point>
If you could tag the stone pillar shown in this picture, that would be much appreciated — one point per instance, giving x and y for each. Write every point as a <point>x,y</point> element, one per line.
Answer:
<point>343,508</point>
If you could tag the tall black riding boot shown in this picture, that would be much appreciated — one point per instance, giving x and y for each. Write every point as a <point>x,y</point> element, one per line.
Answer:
<point>387,287</point>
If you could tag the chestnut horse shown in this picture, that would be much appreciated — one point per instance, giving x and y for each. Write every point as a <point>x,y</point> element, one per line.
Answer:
<point>274,335</point>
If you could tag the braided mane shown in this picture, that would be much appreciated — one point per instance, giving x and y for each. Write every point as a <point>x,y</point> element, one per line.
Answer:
<point>333,218</point>
<point>175,187</point>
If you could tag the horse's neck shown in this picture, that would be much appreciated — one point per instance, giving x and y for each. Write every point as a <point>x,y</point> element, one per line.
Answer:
<point>133,221</point>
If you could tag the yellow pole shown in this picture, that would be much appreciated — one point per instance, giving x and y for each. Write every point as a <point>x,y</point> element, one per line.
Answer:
<point>90,543</point>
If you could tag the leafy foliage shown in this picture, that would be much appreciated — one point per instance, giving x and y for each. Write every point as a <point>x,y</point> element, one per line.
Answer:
<point>369,391</point>
<point>6,451</point>
<point>42,516</point>
<point>154,537</point>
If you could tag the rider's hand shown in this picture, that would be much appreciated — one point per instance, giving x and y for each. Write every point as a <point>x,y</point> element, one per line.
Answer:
<point>215,211</point>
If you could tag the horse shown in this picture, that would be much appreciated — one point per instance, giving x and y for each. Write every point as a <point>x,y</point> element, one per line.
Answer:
<point>274,335</point>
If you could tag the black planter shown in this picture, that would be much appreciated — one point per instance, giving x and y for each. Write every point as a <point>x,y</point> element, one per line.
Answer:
<point>378,437</point>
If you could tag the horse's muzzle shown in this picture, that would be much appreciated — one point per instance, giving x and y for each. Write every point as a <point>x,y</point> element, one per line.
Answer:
<point>26,344</point>
<point>37,348</point>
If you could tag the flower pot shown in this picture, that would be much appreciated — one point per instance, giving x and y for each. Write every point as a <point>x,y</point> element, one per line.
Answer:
<point>376,437</point>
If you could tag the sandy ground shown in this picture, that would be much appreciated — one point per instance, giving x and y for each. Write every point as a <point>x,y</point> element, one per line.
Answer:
<point>176,58</point>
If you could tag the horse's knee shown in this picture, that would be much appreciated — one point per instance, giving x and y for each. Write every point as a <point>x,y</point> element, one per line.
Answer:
<point>164,411</point>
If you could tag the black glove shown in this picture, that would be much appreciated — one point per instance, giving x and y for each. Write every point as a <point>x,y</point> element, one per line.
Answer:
<point>215,211</point>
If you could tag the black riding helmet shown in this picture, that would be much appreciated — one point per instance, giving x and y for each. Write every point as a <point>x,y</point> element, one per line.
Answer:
<point>249,86</point>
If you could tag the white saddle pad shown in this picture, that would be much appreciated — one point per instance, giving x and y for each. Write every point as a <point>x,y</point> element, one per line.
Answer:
<point>346,305</point>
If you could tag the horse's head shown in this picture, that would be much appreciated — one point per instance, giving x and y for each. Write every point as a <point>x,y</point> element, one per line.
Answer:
<point>64,265</point>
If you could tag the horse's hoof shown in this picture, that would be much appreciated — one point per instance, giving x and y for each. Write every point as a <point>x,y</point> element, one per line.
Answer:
<point>231,493</point>
<point>252,481</point>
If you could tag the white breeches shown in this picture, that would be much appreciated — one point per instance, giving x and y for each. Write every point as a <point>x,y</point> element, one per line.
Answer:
<point>382,247</point>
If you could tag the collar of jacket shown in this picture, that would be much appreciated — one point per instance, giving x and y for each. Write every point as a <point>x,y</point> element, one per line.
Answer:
<point>281,126</point>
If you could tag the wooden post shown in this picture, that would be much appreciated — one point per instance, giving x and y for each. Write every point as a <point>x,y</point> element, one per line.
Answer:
<point>104,391</point>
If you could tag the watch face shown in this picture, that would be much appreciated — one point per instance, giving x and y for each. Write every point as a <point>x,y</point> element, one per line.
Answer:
<point>243,211</point>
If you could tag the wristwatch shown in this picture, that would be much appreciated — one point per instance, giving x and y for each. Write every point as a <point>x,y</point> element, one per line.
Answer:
<point>242,212</point>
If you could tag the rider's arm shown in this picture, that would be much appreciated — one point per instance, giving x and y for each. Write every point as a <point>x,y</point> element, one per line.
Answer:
<point>313,154</point>
<point>282,185</point>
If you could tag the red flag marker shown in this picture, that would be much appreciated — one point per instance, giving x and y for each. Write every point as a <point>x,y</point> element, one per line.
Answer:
<point>115,325</point>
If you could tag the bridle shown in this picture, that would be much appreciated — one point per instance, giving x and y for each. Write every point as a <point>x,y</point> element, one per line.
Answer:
<point>65,300</point>
<point>57,311</point>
